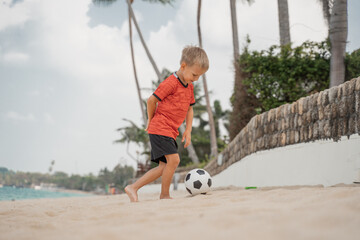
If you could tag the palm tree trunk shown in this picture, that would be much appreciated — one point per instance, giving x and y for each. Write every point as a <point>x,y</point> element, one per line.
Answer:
<point>136,79</point>
<point>142,40</point>
<point>284,22</point>
<point>234,30</point>
<point>243,103</point>
<point>135,74</point>
<point>338,35</point>
<point>213,142</point>
<point>190,148</point>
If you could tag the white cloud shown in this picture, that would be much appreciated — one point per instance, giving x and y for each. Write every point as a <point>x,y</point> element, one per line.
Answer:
<point>15,116</point>
<point>15,57</point>
<point>78,49</point>
<point>97,60</point>
<point>16,15</point>
<point>66,41</point>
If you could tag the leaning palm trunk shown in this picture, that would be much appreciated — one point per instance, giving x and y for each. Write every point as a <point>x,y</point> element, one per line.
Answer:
<point>284,22</point>
<point>338,36</point>
<point>135,74</point>
<point>190,148</point>
<point>213,142</point>
<point>142,40</point>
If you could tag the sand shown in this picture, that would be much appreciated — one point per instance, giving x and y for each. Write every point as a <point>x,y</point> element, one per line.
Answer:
<point>227,213</point>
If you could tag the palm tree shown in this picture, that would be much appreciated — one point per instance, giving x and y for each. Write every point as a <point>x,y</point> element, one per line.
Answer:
<point>234,30</point>
<point>190,148</point>
<point>132,16</point>
<point>131,12</point>
<point>213,141</point>
<point>335,14</point>
<point>135,74</point>
<point>283,10</point>
<point>243,103</point>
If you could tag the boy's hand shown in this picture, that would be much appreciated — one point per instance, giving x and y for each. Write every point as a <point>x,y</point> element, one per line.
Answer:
<point>187,138</point>
<point>147,125</point>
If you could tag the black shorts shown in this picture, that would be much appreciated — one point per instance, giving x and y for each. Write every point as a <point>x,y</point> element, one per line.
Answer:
<point>161,146</point>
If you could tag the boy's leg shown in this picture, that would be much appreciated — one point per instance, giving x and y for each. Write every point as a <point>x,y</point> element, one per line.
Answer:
<point>148,177</point>
<point>173,161</point>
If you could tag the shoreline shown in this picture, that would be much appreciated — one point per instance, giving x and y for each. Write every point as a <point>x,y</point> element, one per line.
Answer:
<point>9,193</point>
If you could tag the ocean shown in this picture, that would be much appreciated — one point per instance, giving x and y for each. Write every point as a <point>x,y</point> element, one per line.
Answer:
<point>13,193</point>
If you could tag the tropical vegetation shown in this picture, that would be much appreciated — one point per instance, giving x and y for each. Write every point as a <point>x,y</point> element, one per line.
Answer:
<point>118,178</point>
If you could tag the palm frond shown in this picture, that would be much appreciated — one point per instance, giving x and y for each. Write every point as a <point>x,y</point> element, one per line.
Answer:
<point>131,122</point>
<point>160,1</point>
<point>133,134</point>
<point>103,2</point>
<point>326,8</point>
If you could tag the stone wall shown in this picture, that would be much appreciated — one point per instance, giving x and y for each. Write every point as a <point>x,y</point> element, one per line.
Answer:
<point>329,114</point>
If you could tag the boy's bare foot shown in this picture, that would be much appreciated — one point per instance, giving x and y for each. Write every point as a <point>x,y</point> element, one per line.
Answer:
<point>132,193</point>
<point>162,196</point>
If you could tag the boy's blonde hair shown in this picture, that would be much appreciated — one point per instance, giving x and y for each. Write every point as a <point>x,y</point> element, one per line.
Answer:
<point>195,55</point>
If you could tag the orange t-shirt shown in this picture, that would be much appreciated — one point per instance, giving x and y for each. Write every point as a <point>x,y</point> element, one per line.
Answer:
<point>175,98</point>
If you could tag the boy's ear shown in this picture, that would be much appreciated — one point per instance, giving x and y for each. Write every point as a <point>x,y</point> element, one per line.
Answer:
<point>183,65</point>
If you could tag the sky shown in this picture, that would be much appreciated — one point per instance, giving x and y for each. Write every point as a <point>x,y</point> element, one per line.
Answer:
<point>66,79</point>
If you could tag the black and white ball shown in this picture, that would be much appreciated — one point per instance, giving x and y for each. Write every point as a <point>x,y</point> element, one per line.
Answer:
<point>198,181</point>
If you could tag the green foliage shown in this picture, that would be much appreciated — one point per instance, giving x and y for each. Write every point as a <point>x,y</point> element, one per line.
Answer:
<point>118,177</point>
<point>352,62</point>
<point>133,133</point>
<point>283,74</point>
<point>121,175</point>
<point>137,135</point>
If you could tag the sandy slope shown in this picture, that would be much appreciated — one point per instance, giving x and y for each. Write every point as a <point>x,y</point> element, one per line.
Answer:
<point>228,213</point>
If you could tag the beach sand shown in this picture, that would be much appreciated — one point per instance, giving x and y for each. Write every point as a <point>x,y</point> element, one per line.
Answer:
<point>225,213</point>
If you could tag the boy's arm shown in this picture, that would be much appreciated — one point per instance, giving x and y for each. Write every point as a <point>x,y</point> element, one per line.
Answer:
<point>187,133</point>
<point>151,107</point>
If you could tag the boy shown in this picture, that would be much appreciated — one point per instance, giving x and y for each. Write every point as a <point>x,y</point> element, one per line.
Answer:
<point>167,108</point>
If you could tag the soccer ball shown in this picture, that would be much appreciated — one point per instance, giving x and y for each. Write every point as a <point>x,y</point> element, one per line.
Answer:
<point>198,181</point>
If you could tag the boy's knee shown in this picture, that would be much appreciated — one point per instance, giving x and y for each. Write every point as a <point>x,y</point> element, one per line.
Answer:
<point>173,160</point>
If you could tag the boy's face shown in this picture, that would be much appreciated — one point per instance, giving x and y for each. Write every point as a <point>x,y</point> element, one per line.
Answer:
<point>191,73</point>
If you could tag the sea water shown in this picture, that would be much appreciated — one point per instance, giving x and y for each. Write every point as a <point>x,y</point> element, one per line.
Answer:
<point>13,193</point>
